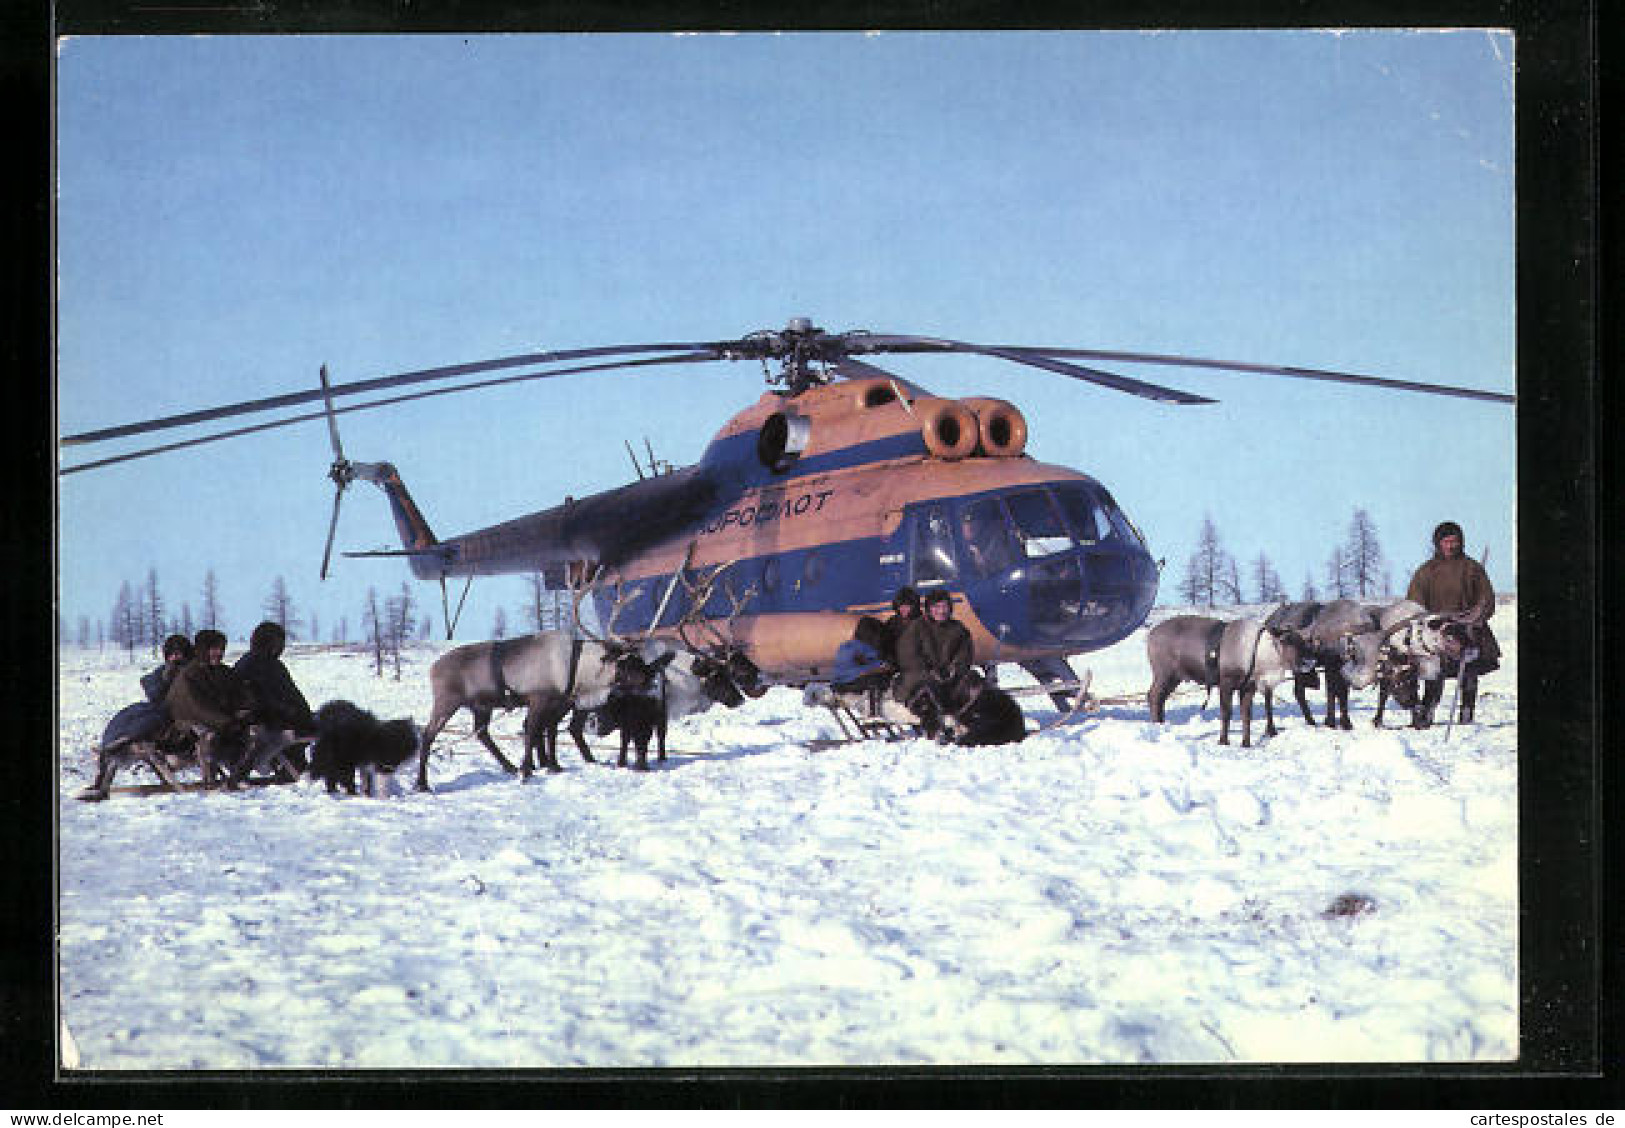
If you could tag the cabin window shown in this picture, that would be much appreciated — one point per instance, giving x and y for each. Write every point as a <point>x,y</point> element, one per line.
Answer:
<point>770,575</point>
<point>1039,524</point>
<point>933,548</point>
<point>812,570</point>
<point>990,542</point>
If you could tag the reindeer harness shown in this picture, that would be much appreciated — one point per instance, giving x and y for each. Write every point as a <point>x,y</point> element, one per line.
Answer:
<point>505,692</point>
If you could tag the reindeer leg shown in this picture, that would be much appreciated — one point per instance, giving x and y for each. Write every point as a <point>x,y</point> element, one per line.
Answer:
<point>437,721</point>
<point>1269,712</point>
<point>1157,696</point>
<point>660,733</point>
<point>527,765</point>
<point>1301,694</point>
<point>1226,696</point>
<point>482,732</point>
<point>1247,717</point>
<point>551,720</point>
<point>578,731</point>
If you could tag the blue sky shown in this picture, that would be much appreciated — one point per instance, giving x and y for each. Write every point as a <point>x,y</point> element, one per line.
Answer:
<point>235,212</point>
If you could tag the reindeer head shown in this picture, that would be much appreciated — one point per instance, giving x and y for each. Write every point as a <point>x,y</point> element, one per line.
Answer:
<point>1397,673</point>
<point>637,676</point>
<point>721,661</point>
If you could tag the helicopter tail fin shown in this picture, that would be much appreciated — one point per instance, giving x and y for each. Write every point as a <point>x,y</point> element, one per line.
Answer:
<point>416,536</point>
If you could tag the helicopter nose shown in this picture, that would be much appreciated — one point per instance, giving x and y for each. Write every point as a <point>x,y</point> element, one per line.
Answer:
<point>1092,597</point>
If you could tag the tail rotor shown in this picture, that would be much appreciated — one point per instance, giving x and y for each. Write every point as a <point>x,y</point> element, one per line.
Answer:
<point>341,472</point>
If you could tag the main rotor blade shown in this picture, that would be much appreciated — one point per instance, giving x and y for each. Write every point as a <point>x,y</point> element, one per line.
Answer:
<point>332,527</point>
<point>892,343</point>
<point>370,404</point>
<point>697,350</point>
<point>1278,370</point>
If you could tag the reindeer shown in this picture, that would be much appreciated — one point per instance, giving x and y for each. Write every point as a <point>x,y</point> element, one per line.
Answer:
<point>713,669</point>
<point>550,673</point>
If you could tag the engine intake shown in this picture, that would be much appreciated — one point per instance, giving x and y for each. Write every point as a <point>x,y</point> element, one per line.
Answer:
<point>1001,428</point>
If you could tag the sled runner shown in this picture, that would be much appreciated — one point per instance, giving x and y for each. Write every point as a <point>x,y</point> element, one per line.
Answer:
<point>164,762</point>
<point>860,717</point>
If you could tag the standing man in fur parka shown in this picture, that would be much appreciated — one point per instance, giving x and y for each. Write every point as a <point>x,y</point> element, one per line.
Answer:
<point>1453,583</point>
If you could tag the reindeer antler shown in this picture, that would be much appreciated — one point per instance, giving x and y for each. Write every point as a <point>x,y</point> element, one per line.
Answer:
<point>609,639</point>
<point>695,615</point>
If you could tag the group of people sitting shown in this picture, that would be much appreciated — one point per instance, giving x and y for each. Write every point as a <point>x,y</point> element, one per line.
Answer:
<point>922,655</point>
<point>233,718</point>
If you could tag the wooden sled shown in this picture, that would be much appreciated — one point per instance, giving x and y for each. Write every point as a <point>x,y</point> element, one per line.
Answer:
<point>165,763</point>
<point>858,719</point>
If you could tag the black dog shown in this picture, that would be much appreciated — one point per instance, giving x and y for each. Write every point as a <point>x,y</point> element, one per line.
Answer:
<point>991,716</point>
<point>350,739</point>
<point>638,717</point>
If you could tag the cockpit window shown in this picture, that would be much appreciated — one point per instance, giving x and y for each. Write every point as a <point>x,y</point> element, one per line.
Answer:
<point>1040,527</point>
<point>1092,515</point>
<point>990,543</point>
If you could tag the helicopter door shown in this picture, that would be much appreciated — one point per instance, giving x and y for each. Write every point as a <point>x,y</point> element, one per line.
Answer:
<point>933,562</point>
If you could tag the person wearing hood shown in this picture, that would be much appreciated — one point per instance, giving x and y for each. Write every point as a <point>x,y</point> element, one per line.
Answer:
<point>861,665</point>
<point>278,704</point>
<point>934,656</point>
<point>1453,583</point>
<point>279,710</point>
<point>905,607</point>
<point>211,699</point>
<point>147,720</point>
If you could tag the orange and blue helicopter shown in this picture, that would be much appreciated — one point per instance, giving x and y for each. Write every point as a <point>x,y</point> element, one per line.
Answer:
<point>809,508</point>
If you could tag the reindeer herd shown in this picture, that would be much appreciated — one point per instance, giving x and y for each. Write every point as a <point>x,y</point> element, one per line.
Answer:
<point>637,685</point>
<point>634,685</point>
<point>1394,647</point>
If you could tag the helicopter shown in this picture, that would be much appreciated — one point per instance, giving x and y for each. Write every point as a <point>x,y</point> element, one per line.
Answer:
<point>809,508</point>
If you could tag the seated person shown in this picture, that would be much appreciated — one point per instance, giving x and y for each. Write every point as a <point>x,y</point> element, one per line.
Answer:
<point>860,665</point>
<point>935,656</point>
<point>147,720</point>
<point>210,698</point>
<point>905,607</point>
<point>277,704</point>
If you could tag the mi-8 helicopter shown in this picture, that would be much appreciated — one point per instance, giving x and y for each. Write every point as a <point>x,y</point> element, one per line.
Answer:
<point>841,484</point>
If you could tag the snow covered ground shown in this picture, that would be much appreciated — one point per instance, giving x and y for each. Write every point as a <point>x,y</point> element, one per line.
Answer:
<point>1110,892</point>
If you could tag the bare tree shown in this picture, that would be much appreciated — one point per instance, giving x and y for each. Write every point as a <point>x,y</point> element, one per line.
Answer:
<point>401,613</point>
<point>155,610</point>
<point>1266,582</point>
<point>279,607</point>
<point>1211,575</point>
<point>1310,594</point>
<point>1337,574</point>
<point>186,626</point>
<point>211,617</point>
<point>315,628</point>
<point>1362,558</point>
<point>83,634</point>
<point>126,619</point>
<point>499,625</point>
<point>373,623</point>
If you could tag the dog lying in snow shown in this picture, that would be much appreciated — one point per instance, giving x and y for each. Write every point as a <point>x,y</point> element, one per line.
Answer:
<point>350,740</point>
